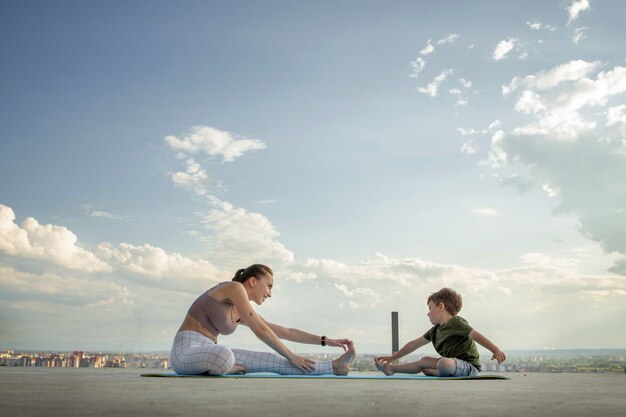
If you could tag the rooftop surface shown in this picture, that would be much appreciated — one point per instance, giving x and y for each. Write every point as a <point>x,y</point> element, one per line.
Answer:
<point>122,392</point>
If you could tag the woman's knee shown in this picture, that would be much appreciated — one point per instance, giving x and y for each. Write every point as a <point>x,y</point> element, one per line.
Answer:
<point>222,361</point>
<point>446,367</point>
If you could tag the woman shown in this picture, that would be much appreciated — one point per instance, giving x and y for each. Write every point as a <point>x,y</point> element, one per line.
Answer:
<point>221,309</point>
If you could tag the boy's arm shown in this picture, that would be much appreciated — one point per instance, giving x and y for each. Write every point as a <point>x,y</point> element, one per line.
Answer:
<point>483,341</point>
<point>406,349</point>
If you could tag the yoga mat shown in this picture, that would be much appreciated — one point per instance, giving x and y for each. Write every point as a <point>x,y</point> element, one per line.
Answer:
<point>381,376</point>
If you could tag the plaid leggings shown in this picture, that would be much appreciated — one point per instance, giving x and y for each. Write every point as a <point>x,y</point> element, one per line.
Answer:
<point>193,353</point>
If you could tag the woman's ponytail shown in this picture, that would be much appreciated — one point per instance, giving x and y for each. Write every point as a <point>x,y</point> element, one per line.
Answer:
<point>238,276</point>
<point>256,270</point>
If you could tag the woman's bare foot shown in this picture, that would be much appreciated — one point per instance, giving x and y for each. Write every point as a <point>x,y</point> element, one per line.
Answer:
<point>237,370</point>
<point>384,367</point>
<point>341,365</point>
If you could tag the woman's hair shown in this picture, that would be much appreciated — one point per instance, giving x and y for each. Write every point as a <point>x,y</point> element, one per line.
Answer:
<point>256,270</point>
<point>450,298</point>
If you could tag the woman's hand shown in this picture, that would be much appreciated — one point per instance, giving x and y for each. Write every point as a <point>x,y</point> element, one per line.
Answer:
<point>304,364</point>
<point>342,343</point>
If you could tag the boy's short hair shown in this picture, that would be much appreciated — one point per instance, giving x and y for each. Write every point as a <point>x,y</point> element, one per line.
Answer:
<point>450,298</point>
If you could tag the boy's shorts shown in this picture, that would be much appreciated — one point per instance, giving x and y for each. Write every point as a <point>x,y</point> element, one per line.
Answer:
<point>465,368</point>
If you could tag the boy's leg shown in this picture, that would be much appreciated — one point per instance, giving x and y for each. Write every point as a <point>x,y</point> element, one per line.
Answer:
<point>446,367</point>
<point>452,367</point>
<point>423,364</point>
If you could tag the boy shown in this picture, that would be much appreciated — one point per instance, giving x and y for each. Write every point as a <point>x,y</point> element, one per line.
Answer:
<point>452,337</point>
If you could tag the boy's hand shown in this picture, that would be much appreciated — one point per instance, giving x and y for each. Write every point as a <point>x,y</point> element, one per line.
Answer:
<point>383,360</point>
<point>499,356</point>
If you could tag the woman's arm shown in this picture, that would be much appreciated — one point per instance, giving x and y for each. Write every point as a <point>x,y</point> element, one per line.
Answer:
<point>238,296</point>
<point>300,336</point>
<point>483,341</point>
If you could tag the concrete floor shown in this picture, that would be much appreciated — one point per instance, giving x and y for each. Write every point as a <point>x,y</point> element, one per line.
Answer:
<point>122,392</point>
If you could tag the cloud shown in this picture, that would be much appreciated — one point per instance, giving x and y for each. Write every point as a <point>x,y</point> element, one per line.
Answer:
<point>559,113</point>
<point>451,38</point>
<point>62,289</point>
<point>238,237</point>
<point>417,66</point>
<point>539,26</point>
<point>428,49</point>
<point>576,154</point>
<point>432,88</point>
<point>156,263</point>
<point>503,48</point>
<point>580,34</point>
<point>616,116</point>
<point>194,179</point>
<point>469,148</point>
<point>49,243</point>
<point>213,142</point>
<point>543,80</point>
<point>574,9</point>
<point>100,213</point>
<point>485,212</point>
<point>520,183</point>
<point>529,102</point>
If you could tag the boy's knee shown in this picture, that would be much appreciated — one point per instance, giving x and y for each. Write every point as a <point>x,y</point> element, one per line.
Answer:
<point>223,362</point>
<point>446,367</point>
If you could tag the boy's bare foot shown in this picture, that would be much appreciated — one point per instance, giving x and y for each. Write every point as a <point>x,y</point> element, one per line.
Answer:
<point>385,368</point>
<point>341,365</point>
<point>237,370</point>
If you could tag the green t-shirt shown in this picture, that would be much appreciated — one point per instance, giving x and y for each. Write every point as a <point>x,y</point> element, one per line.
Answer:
<point>451,340</point>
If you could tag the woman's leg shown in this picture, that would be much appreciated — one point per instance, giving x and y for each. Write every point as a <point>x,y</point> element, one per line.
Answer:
<point>271,362</point>
<point>194,353</point>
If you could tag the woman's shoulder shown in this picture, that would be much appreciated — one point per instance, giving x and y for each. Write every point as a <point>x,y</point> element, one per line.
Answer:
<point>226,287</point>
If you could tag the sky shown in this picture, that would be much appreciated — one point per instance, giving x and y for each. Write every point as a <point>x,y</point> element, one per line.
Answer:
<point>370,152</point>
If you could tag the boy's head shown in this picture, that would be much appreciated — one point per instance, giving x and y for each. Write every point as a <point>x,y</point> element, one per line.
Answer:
<point>450,299</point>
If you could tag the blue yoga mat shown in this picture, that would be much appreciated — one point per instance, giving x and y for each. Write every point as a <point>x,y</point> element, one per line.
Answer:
<point>353,376</point>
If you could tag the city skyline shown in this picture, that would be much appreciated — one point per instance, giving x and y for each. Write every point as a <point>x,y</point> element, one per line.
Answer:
<point>370,153</point>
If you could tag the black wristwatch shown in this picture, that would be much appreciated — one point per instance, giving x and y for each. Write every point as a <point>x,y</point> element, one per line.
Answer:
<point>323,340</point>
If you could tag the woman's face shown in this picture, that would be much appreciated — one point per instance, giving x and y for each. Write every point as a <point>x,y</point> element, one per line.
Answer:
<point>262,288</point>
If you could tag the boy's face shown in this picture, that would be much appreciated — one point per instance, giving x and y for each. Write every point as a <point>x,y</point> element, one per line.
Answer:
<point>435,312</point>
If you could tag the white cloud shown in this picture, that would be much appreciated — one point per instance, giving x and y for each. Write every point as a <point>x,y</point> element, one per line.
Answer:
<point>503,48</point>
<point>580,34</point>
<point>62,289</point>
<point>617,116</point>
<point>194,179</point>
<point>469,148</point>
<point>50,243</point>
<point>238,237</point>
<point>550,190</point>
<point>529,102</point>
<point>484,211</point>
<point>574,9</point>
<point>417,66</point>
<point>563,149</point>
<point>300,277</point>
<point>100,213</point>
<point>213,142</point>
<point>539,26</point>
<point>465,83</point>
<point>432,88</point>
<point>428,49</point>
<point>453,37</point>
<point>156,263</point>
<point>559,112</point>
